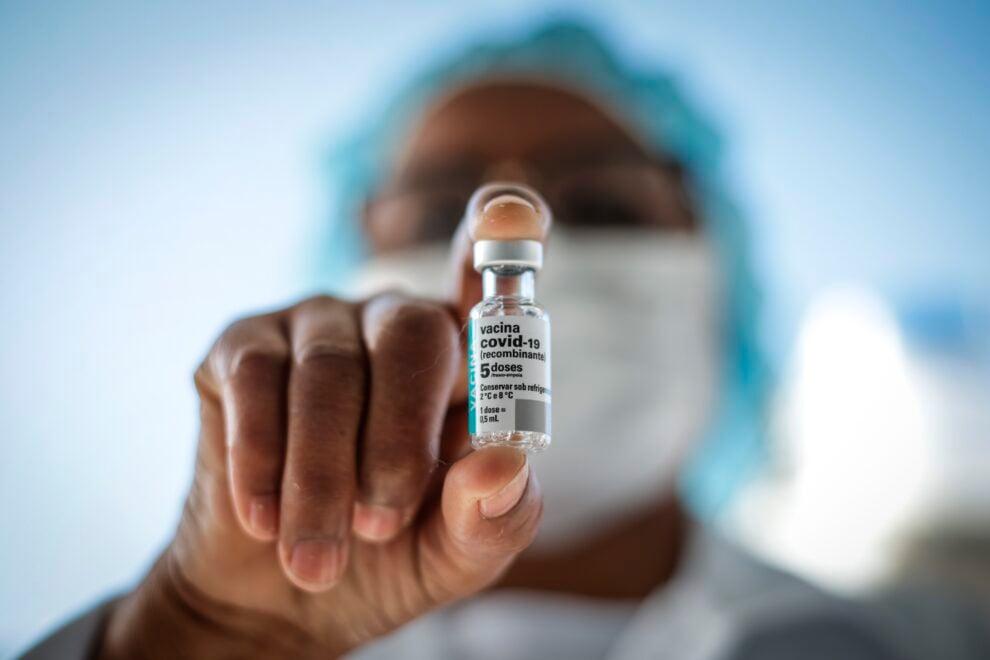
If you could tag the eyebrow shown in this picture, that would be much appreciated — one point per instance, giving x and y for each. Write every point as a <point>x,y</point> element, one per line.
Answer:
<point>462,168</point>
<point>575,157</point>
<point>467,168</point>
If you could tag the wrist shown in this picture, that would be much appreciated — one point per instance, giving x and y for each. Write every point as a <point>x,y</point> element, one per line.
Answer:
<point>168,617</point>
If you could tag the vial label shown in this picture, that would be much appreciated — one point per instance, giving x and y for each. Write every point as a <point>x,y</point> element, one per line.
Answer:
<point>509,374</point>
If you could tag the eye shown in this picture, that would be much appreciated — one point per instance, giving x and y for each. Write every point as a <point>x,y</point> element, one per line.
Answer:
<point>599,208</point>
<point>440,214</point>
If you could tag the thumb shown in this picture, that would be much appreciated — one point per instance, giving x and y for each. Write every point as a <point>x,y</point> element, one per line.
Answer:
<point>490,510</point>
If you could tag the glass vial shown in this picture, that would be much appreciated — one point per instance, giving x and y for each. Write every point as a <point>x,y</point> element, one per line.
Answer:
<point>509,395</point>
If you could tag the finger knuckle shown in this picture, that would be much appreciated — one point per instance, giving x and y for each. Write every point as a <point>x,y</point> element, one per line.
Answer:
<point>314,485</point>
<point>203,379</point>
<point>344,362</point>
<point>256,365</point>
<point>398,479</point>
<point>238,329</point>
<point>510,534</point>
<point>319,301</point>
<point>420,321</point>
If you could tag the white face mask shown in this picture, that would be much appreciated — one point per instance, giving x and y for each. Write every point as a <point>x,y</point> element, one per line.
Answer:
<point>635,346</point>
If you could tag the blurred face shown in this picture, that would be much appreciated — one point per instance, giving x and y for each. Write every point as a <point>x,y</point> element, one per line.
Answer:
<point>593,171</point>
<point>635,308</point>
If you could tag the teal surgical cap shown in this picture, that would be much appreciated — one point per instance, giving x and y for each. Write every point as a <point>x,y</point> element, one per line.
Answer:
<point>569,53</point>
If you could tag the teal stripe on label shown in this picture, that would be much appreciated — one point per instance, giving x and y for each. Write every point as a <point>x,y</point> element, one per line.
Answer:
<point>472,414</point>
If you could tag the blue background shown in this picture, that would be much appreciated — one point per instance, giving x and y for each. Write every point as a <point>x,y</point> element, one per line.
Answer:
<point>160,174</point>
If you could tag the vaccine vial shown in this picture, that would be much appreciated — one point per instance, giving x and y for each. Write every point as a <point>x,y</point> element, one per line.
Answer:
<point>509,392</point>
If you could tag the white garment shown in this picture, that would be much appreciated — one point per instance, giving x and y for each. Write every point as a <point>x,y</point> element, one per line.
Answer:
<point>722,605</point>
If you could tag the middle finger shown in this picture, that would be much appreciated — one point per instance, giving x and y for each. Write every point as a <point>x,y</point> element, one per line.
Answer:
<point>327,386</point>
<point>413,350</point>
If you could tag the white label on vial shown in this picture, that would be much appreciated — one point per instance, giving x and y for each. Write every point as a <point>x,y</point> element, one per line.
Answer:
<point>509,374</point>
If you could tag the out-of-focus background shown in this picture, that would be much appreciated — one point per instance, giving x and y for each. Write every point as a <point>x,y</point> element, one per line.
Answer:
<point>160,173</point>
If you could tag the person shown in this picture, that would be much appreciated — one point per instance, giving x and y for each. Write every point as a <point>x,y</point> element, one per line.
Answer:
<point>336,508</point>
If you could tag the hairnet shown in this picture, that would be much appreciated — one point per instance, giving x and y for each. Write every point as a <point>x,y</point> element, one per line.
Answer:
<point>570,53</point>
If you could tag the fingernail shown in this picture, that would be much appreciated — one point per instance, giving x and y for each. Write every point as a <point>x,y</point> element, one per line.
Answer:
<point>376,523</point>
<point>501,502</point>
<point>263,516</point>
<point>316,563</point>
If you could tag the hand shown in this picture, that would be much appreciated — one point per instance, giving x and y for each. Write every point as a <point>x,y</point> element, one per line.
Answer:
<point>335,496</point>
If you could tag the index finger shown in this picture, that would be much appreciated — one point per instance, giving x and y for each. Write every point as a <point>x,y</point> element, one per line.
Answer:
<point>498,211</point>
